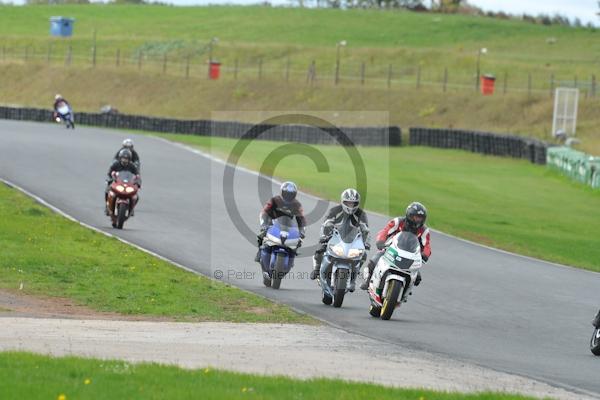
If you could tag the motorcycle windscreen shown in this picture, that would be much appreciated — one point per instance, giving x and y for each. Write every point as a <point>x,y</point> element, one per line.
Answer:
<point>347,230</point>
<point>288,224</point>
<point>408,250</point>
<point>125,176</point>
<point>63,109</point>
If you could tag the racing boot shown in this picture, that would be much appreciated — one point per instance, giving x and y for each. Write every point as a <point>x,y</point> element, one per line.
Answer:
<point>371,267</point>
<point>316,266</point>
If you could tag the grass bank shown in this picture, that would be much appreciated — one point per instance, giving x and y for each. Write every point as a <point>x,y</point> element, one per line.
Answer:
<point>178,97</point>
<point>505,203</point>
<point>52,256</point>
<point>28,376</point>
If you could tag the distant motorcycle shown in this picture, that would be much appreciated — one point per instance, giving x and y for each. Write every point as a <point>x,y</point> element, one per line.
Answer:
<point>340,264</point>
<point>595,341</point>
<point>280,246</point>
<point>65,114</point>
<point>122,197</point>
<point>394,275</point>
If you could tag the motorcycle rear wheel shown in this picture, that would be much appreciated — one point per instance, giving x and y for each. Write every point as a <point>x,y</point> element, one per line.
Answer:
<point>391,299</point>
<point>121,215</point>
<point>278,273</point>
<point>595,342</point>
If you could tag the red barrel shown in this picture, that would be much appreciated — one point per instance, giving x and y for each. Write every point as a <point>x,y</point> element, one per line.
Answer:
<point>488,83</point>
<point>214,69</point>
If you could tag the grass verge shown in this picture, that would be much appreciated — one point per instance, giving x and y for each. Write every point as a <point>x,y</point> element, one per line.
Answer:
<point>52,256</point>
<point>171,96</point>
<point>29,376</point>
<point>505,203</point>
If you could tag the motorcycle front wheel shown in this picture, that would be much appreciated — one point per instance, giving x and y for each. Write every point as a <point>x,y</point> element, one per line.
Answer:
<point>595,342</point>
<point>340,287</point>
<point>122,215</point>
<point>391,299</point>
<point>278,271</point>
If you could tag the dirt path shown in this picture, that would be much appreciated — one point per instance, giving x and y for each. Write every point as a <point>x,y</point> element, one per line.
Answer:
<point>294,350</point>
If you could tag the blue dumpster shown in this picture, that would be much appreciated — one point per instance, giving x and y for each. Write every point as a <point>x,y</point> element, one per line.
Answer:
<point>61,26</point>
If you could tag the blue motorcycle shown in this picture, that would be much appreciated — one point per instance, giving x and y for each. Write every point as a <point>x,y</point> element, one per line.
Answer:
<point>279,249</point>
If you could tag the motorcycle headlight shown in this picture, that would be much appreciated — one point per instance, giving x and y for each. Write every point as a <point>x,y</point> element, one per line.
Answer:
<point>120,188</point>
<point>353,253</point>
<point>129,189</point>
<point>338,250</point>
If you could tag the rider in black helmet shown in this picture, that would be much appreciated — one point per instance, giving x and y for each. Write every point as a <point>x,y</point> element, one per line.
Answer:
<point>122,163</point>
<point>284,204</point>
<point>128,144</point>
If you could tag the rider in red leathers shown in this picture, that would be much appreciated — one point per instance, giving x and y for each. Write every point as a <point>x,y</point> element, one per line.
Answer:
<point>413,221</point>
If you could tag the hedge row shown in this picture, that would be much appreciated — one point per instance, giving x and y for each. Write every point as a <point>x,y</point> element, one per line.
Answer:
<point>481,142</point>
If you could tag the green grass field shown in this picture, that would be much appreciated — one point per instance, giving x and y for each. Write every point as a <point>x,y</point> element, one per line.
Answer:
<point>52,256</point>
<point>28,376</point>
<point>415,44</point>
<point>505,203</point>
<point>272,32</point>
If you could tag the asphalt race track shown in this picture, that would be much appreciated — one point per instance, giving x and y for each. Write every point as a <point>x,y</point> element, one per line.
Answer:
<point>495,309</point>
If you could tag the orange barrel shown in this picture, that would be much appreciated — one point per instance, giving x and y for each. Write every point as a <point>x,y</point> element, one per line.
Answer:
<point>214,69</point>
<point>487,84</point>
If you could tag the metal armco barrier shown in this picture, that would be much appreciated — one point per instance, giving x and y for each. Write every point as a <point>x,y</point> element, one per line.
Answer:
<point>363,136</point>
<point>481,142</point>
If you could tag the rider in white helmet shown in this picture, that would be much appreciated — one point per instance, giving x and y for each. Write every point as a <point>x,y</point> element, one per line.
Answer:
<point>348,211</point>
<point>128,144</point>
<point>59,101</point>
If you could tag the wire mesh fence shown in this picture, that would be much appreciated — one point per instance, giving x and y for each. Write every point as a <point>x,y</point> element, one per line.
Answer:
<point>351,73</point>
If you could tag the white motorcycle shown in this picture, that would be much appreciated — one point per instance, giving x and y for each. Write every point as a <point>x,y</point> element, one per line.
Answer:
<point>595,342</point>
<point>394,275</point>
<point>64,113</point>
<point>341,262</point>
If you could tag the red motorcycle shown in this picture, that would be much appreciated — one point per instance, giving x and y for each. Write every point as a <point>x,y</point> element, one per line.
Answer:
<point>122,197</point>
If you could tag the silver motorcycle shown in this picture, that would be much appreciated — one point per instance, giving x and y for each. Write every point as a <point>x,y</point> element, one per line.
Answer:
<point>341,262</point>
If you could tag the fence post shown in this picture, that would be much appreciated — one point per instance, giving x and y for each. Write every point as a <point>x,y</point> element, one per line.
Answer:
<point>69,55</point>
<point>445,78</point>
<point>260,68</point>
<point>118,58</point>
<point>418,76</point>
<point>3,52</point>
<point>310,76</point>
<point>575,82</point>
<point>389,77</point>
<point>593,85</point>
<point>139,61</point>
<point>505,82</point>
<point>529,84</point>
<point>235,69</point>
<point>187,67</point>
<point>26,53</point>
<point>164,63</point>
<point>362,73</point>
<point>94,51</point>
<point>551,85</point>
